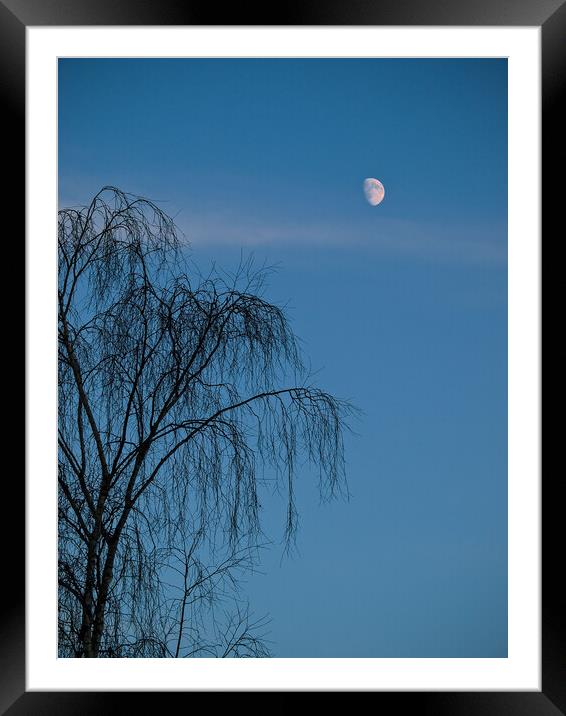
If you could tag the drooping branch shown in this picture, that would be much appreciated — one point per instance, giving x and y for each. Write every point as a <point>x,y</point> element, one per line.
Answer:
<point>170,402</point>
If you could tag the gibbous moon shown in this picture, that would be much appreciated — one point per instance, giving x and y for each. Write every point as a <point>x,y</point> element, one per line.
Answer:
<point>374,191</point>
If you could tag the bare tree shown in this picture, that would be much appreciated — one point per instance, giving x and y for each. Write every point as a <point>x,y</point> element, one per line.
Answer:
<point>172,412</point>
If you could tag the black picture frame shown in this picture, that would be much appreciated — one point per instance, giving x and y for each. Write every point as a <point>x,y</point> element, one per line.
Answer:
<point>550,15</point>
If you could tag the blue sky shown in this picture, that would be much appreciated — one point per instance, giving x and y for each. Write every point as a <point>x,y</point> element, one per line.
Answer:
<point>402,308</point>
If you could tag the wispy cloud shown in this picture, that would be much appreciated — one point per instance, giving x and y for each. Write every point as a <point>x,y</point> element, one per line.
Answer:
<point>465,244</point>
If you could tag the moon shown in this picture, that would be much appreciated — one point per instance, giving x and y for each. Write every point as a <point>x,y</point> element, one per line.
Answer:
<point>374,191</point>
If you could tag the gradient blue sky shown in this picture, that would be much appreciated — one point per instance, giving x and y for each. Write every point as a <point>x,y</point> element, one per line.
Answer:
<point>402,308</point>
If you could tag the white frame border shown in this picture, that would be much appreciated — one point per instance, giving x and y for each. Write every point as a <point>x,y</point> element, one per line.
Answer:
<point>521,670</point>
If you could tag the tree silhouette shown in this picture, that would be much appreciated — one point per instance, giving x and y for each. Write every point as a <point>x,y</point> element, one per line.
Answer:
<point>173,411</point>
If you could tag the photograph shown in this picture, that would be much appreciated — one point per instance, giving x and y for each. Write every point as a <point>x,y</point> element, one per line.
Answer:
<point>282,357</point>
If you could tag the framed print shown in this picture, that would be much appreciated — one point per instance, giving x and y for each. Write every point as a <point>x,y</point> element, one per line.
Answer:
<point>297,263</point>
